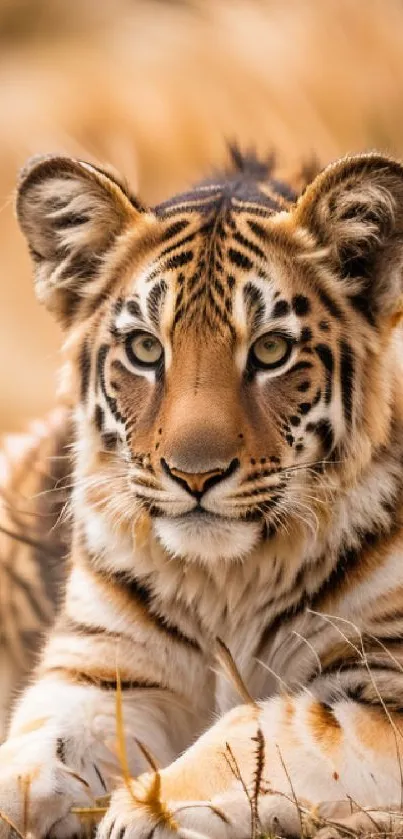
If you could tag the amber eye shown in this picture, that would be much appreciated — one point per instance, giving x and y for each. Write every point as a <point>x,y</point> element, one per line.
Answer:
<point>144,349</point>
<point>270,350</point>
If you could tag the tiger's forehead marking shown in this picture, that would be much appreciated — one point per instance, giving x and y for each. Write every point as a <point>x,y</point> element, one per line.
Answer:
<point>209,268</point>
<point>217,254</point>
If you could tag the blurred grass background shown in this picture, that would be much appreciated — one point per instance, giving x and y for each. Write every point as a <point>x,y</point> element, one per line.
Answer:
<point>156,87</point>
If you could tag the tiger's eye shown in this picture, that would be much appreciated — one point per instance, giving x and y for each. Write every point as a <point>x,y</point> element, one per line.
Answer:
<point>271,350</point>
<point>144,349</point>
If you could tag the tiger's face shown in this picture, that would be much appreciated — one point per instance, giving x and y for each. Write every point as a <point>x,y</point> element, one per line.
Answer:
<point>227,346</point>
<point>216,384</point>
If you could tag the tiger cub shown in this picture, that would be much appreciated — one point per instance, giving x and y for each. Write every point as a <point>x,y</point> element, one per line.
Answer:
<point>233,369</point>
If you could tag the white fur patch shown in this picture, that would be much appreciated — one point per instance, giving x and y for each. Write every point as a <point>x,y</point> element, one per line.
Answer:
<point>197,537</point>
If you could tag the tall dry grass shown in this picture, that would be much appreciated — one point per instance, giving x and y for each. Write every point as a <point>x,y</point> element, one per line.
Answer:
<point>156,88</point>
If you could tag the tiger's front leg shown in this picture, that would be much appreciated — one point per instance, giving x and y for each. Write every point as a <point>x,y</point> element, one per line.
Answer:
<point>271,767</point>
<point>62,749</point>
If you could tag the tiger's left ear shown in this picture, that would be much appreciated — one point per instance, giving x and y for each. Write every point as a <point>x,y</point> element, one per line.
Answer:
<point>71,213</point>
<point>354,208</point>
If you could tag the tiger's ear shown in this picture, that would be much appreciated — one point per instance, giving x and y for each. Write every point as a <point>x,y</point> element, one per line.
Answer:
<point>71,214</point>
<point>354,208</point>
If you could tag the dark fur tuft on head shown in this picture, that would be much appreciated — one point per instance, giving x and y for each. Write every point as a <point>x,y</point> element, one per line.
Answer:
<point>249,164</point>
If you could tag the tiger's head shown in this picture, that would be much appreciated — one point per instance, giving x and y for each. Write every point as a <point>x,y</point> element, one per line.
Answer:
<point>231,349</point>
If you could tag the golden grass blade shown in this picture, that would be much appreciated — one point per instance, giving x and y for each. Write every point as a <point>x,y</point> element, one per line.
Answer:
<point>230,669</point>
<point>294,797</point>
<point>26,786</point>
<point>147,755</point>
<point>94,813</point>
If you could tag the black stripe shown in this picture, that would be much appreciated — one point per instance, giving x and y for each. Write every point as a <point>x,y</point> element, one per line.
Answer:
<point>140,592</point>
<point>221,314</point>
<point>323,429</point>
<point>364,303</point>
<point>178,243</point>
<point>259,230</point>
<point>281,309</point>
<point>239,259</point>
<point>330,304</point>
<point>334,688</point>
<point>347,380</point>
<point>85,370</point>
<point>356,694</point>
<point>112,403</point>
<point>155,301</point>
<point>111,684</point>
<point>178,260</point>
<point>304,386</point>
<point>61,750</point>
<point>109,440</point>
<point>306,335</point>
<point>69,624</point>
<point>174,229</point>
<point>300,365</point>
<point>351,668</point>
<point>254,300</point>
<point>99,417</point>
<point>326,356</point>
<point>316,398</point>
<point>68,220</point>
<point>133,307</point>
<point>347,561</point>
<point>242,240</point>
<point>301,305</point>
<point>111,177</point>
<point>118,306</point>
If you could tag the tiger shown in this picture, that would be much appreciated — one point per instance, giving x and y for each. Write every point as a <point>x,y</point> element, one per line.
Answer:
<point>232,373</point>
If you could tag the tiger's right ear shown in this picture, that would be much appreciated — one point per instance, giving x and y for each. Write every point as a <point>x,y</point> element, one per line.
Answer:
<point>71,214</point>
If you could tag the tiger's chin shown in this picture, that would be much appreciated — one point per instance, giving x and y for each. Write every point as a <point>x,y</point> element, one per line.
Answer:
<point>207,538</point>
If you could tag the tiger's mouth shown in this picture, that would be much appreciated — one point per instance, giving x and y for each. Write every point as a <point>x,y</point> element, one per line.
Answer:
<point>204,535</point>
<point>200,514</point>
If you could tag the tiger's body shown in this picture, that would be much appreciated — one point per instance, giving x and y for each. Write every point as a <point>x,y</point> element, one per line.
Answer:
<point>35,470</point>
<point>233,368</point>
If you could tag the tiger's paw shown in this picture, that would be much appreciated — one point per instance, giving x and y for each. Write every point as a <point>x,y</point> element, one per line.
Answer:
<point>134,815</point>
<point>38,792</point>
<point>345,818</point>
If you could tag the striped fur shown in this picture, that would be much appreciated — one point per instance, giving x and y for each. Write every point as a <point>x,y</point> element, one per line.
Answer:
<point>34,535</point>
<point>221,493</point>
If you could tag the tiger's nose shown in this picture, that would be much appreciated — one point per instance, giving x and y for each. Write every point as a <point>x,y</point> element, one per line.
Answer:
<point>198,483</point>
